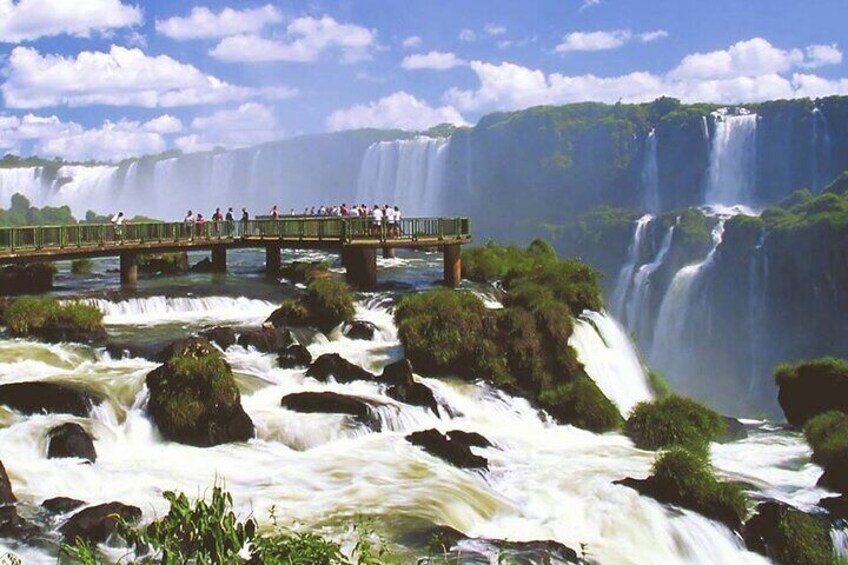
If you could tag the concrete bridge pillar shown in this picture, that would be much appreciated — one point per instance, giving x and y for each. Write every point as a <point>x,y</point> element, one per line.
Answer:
<point>389,253</point>
<point>219,259</point>
<point>452,260</point>
<point>272,259</point>
<point>129,268</point>
<point>360,263</point>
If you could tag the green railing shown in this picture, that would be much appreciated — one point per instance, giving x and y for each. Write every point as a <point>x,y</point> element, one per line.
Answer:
<point>342,230</point>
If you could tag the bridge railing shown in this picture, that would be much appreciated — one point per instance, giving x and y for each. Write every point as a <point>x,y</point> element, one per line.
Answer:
<point>338,229</point>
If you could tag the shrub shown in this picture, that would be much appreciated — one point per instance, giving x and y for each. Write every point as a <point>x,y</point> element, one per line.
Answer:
<point>81,266</point>
<point>659,385</point>
<point>674,421</point>
<point>329,303</point>
<point>582,404</point>
<point>31,315</point>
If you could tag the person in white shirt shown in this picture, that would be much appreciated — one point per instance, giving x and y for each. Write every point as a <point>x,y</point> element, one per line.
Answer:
<point>118,221</point>
<point>376,220</point>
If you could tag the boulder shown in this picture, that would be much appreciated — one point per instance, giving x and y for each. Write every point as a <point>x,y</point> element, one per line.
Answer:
<point>194,398</point>
<point>734,430</point>
<point>163,263</point>
<point>811,388</point>
<point>294,357</point>
<point>6,494</point>
<point>342,370</point>
<point>48,398</point>
<point>789,536</point>
<point>185,346</point>
<point>404,388</point>
<point>70,440</point>
<point>203,266</point>
<point>471,439</point>
<point>267,339</point>
<point>221,336</point>
<point>61,504</point>
<point>118,350</point>
<point>31,278</point>
<point>332,403</point>
<point>13,526</point>
<point>96,523</point>
<point>360,329</point>
<point>453,451</point>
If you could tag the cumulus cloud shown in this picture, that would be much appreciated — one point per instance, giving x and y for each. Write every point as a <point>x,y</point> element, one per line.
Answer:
<point>822,55</point>
<point>306,40</point>
<point>121,77</point>
<point>434,60</point>
<point>398,110</point>
<point>203,23</point>
<point>164,124</point>
<point>411,42</point>
<point>593,40</point>
<point>467,35</point>
<point>249,124</point>
<point>27,20</point>
<point>748,71</point>
<point>494,29</point>
<point>649,36</point>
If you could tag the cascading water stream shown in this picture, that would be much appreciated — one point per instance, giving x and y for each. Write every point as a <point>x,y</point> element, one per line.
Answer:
<point>650,174</point>
<point>636,315</point>
<point>822,151</point>
<point>733,159</point>
<point>625,276</point>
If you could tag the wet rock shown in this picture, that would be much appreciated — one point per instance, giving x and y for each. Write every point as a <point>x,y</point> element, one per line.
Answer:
<point>332,403</point>
<point>31,278</point>
<point>185,346</point>
<point>342,370</point>
<point>118,350</point>
<point>6,494</point>
<point>13,526</point>
<point>221,336</point>
<point>788,536</point>
<point>163,263</point>
<point>70,440</point>
<point>294,357</point>
<point>734,430</point>
<point>61,504</point>
<point>203,266</point>
<point>48,398</point>
<point>471,439</point>
<point>96,523</point>
<point>404,388</point>
<point>194,398</point>
<point>267,339</point>
<point>360,329</point>
<point>453,451</point>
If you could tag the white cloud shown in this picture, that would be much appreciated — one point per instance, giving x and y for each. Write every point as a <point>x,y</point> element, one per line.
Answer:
<point>249,124</point>
<point>593,40</point>
<point>164,124</point>
<point>822,55</point>
<point>121,77</point>
<point>203,23</point>
<point>467,35</point>
<point>494,29</point>
<point>650,36</point>
<point>306,39</point>
<point>411,42</point>
<point>747,72</point>
<point>435,60</point>
<point>398,110</point>
<point>26,20</point>
<point>589,4</point>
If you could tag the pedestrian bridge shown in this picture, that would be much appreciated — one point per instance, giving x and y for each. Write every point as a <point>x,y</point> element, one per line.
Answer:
<point>354,238</point>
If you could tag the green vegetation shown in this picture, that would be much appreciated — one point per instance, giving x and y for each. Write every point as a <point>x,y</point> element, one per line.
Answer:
<point>674,421</point>
<point>32,315</point>
<point>168,263</point>
<point>523,347</point>
<point>803,210</point>
<point>22,213</point>
<point>81,266</point>
<point>659,385</point>
<point>812,387</point>
<point>326,303</point>
<point>787,535</point>
<point>305,271</point>
<point>827,435</point>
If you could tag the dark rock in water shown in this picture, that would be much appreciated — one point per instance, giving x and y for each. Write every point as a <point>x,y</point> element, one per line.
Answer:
<point>812,388</point>
<point>26,279</point>
<point>194,398</point>
<point>472,439</point>
<point>221,336</point>
<point>294,356</point>
<point>61,504</point>
<point>787,535</point>
<point>837,506</point>
<point>453,451</point>
<point>834,477</point>
<point>6,494</point>
<point>332,403</point>
<point>266,340</point>
<point>342,370</point>
<point>360,329</point>
<point>734,430</point>
<point>122,350</point>
<point>404,388</point>
<point>60,331</point>
<point>13,526</point>
<point>164,263</point>
<point>203,266</point>
<point>185,346</point>
<point>96,523</point>
<point>49,398</point>
<point>70,440</point>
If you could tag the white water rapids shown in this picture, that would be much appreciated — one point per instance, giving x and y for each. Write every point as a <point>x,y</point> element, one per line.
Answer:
<point>546,481</point>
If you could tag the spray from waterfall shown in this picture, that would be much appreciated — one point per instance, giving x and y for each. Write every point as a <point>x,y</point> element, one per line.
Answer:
<point>733,159</point>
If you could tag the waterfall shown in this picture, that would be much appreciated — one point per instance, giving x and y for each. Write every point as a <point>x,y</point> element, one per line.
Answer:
<point>23,180</point>
<point>822,151</point>
<point>409,173</point>
<point>650,174</point>
<point>636,314</point>
<point>733,159</point>
<point>680,321</point>
<point>160,309</point>
<point>610,360</point>
<point>625,276</point>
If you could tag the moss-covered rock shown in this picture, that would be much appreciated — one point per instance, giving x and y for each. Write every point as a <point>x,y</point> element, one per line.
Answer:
<point>827,435</point>
<point>674,421</point>
<point>26,279</point>
<point>44,397</point>
<point>686,479</point>
<point>194,398</point>
<point>163,263</point>
<point>81,266</point>
<point>327,303</point>
<point>48,319</point>
<point>305,271</point>
<point>789,536</point>
<point>581,403</point>
<point>810,388</point>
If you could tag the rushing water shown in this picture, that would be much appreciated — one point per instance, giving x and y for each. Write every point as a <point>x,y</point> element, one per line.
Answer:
<point>733,158</point>
<point>650,174</point>
<point>545,481</point>
<point>625,275</point>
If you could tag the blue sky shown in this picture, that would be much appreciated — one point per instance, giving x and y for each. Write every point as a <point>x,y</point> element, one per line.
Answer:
<point>107,79</point>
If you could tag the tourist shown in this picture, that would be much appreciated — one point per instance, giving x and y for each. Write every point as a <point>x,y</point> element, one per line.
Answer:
<point>389,214</point>
<point>245,217</point>
<point>376,220</point>
<point>275,214</point>
<point>229,219</point>
<point>189,221</point>
<point>118,221</point>
<point>217,218</point>
<point>397,222</point>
